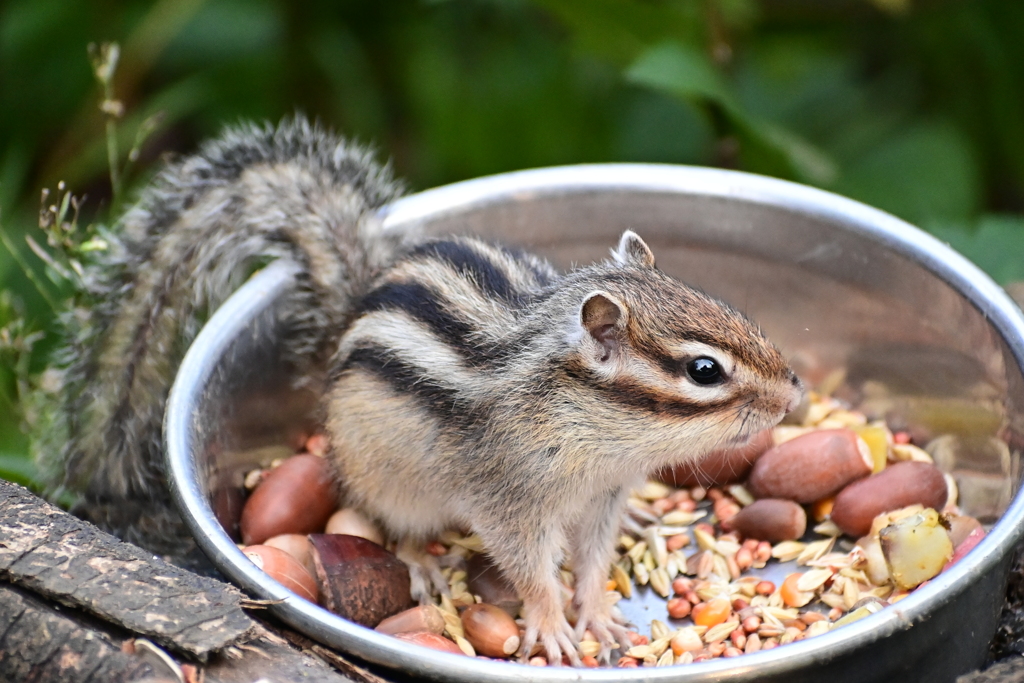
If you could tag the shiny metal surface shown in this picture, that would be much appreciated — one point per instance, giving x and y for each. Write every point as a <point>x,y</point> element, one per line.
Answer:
<point>913,328</point>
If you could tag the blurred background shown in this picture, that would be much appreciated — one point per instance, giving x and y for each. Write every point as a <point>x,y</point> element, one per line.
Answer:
<point>913,106</point>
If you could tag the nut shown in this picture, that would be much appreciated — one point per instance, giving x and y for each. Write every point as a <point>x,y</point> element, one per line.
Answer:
<point>490,630</point>
<point>897,486</point>
<point>811,467</point>
<point>284,569</point>
<point>359,580</point>
<point>431,640</point>
<point>916,548</point>
<point>720,467</point>
<point>297,497</point>
<point>770,519</point>
<point>423,618</point>
<point>352,522</point>
<point>296,545</point>
<point>487,581</point>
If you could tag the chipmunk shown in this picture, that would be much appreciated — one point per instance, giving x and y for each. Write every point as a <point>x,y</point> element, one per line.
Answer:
<point>470,385</point>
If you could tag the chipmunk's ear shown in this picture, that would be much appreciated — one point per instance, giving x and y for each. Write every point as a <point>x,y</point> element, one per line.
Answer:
<point>602,316</point>
<point>633,251</point>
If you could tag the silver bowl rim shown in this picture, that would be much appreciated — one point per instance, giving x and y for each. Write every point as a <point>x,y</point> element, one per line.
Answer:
<point>261,290</point>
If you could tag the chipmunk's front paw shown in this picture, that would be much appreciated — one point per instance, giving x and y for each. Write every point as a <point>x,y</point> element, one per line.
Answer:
<point>425,577</point>
<point>554,634</point>
<point>608,631</point>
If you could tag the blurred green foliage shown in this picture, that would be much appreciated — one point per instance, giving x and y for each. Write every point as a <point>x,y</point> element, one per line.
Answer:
<point>914,106</point>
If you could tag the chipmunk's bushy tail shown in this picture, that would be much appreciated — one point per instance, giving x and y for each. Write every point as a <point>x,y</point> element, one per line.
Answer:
<point>204,225</point>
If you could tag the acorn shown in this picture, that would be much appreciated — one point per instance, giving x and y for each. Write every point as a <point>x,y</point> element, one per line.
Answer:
<point>490,630</point>
<point>296,497</point>
<point>284,569</point>
<point>359,580</point>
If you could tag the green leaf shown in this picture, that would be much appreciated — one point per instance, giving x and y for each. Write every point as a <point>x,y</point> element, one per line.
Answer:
<point>924,174</point>
<point>20,469</point>
<point>995,244</point>
<point>688,73</point>
<point>681,70</point>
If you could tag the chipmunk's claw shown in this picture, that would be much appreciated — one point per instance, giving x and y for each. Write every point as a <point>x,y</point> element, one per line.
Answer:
<point>425,577</point>
<point>556,638</point>
<point>610,634</point>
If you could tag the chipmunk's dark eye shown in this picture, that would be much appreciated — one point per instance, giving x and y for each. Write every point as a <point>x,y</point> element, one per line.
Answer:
<point>704,371</point>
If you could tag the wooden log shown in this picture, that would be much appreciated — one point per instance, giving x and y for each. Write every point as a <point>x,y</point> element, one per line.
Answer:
<point>38,643</point>
<point>72,562</point>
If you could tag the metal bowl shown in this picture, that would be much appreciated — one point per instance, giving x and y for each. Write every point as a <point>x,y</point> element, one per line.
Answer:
<point>853,296</point>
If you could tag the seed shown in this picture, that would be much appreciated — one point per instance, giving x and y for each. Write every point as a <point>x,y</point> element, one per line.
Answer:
<point>641,574</point>
<point>653,490</point>
<point>659,630</point>
<point>765,588</point>
<point>659,646</point>
<point>590,648</point>
<point>657,546</point>
<point>682,585</point>
<point>636,553</point>
<point>660,582</point>
<point>788,550</point>
<point>622,581</point>
<point>815,551</point>
<point>762,554</point>
<point>678,608</point>
<point>685,658</point>
<point>590,662</point>
<point>813,579</point>
<point>751,624</point>
<point>686,640</point>
<point>791,593</point>
<point>738,638</point>
<point>639,651</point>
<point>465,646</point>
<point>732,652</point>
<point>705,538</point>
<point>637,638</point>
<point>627,663</point>
<point>818,628</point>
<point>716,649</point>
<point>753,643</point>
<point>673,543</point>
<point>711,613</point>
<point>666,659</point>
<point>720,632</point>
<point>538,661</point>
<point>662,505</point>
<point>744,558</point>
<point>706,564</point>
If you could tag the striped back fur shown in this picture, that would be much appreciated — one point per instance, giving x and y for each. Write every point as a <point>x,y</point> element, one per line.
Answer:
<point>489,367</point>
